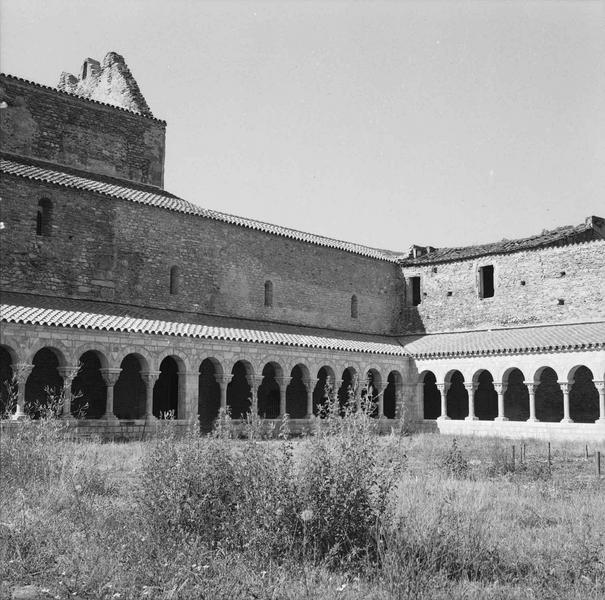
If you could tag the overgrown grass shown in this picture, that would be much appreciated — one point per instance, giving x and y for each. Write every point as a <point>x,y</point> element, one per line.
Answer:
<point>342,513</point>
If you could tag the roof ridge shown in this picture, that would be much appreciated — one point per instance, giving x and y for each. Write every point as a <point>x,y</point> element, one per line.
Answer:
<point>50,88</point>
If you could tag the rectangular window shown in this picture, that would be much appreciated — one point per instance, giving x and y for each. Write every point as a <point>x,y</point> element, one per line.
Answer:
<point>486,281</point>
<point>415,288</point>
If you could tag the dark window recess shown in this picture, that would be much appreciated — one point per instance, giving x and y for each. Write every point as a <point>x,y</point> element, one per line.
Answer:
<point>449,293</point>
<point>560,302</point>
<point>486,281</point>
<point>523,283</point>
<point>415,288</point>
<point>44,217</point>
<point>268,293</point>
<point>562,274</point>
<point>354,307</point>
<point>174,280</point>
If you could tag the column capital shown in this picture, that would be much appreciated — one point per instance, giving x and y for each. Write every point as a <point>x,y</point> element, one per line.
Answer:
<point>223,379</point>
<point>283,381</point>
<point>21,371</point>
<point>256,381</point>
<point>470,386</point>
<point>68,372</point>
<point>150,375</point>
<point>600,385</point>
<point>110,376</point>
<point>443,387</point>
<point>500,386</point>
<point>531,387</point>
<point>565,387</point>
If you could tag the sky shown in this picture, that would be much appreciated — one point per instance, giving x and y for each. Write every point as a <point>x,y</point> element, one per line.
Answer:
<point>383,123</point>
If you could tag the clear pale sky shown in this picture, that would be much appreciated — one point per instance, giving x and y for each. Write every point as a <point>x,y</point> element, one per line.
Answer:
<point>383,123</point>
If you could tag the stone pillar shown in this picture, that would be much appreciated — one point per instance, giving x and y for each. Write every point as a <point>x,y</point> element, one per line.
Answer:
<point>188,395</point>
<point>21,372</point>
<point>149,377</point>
<point>565,389</point>
<point>531,388</point>
<point>443,388</point>
<point>110,376</point>
<point>68,374</point>
<point>283,383</point>
<point>255,382</point>
<point>381,403</point>
<point>223,381</point>
<point>600,385</point>
<point>309,386</point>
<point>471,388</point>
<point>500,389</point>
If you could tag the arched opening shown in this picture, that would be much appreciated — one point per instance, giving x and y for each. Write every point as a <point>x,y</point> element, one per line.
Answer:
<point>268,293</point>
<point>486,397</point>
<point>166,390</point>
<point>44,385</point>
<point>209,394</point>
<point>323,388</point>
<point>296,394</point>
<point>516,396</point>
<point>390,395</point>
<point>239,391</point>
<point>129,392</point>
<point>431,396</point>
<point>549,396</point>
<point>354,307</point>
<point>8,389</point>
<point>44,217</point>
<point>88,388</point>
<point>457,397</point>
<point>346,391</point>
<point>175,280</point>
<point>268,393</point>
<point>583,396</point>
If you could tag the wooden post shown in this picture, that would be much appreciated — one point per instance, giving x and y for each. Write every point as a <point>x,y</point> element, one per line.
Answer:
<point>598,463</point>
<point>513,457</point>
<point>586,452</point>
<point>549,457</point>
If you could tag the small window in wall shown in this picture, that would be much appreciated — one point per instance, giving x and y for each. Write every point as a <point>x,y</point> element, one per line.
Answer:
<point>415,290</point>
<point>175,276</point>
<point>44,217</point>
<point>354,307</point>
<point>268,293</point>
<point>486,281</point>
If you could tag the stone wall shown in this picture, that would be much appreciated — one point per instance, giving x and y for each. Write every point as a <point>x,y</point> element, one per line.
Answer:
<point>121,251</point>
<point>550,285</point>
<point>53,126</point>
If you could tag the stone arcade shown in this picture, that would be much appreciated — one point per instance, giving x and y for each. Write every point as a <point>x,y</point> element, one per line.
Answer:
<point>166,306</point>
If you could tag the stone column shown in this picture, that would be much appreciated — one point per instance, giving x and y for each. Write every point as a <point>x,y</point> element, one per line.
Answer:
<point>308,381</point>
<point>110,376</point>
<point>188,395</point>
<point>471,388</point>
<point>283,382</point>
<point>500,389</point>
<point>21,372</point>
<point>443,388</point>
<point>531,388</point>
<point>149,377</point>
<point>68,374</point>
<point>600,385</point>
<point>565,389</point>
<point>380,403</point>
<point>223,381</point>
<point>255,382</point>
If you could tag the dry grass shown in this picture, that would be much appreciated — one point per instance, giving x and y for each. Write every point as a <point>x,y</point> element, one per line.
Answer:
<point>219,518</point>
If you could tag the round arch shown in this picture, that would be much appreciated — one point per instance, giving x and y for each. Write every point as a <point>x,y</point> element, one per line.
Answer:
<point>209,392</point>
<point>457,395</point>
<point>89,391</point>
<point>239,390</point>
<point>548,395</point>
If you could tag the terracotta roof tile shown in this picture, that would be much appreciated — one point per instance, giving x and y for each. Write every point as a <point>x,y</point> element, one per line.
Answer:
<point>578,336</point>
<point>159,198</point>
<point>32,315</point>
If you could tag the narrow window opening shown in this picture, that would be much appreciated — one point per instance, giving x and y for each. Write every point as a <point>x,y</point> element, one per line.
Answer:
<point>560,301</point>
<point>449,294</point>
<point>174,280</point>
<point>415,287</point>
<point>354,307</point>
<point>523,283</point>
<point>44,217</point>
<point>268,293</point>
<point>562,274</point>
<point>486,281</point>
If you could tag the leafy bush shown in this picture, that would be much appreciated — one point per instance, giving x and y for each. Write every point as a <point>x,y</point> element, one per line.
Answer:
<point>454,462</point>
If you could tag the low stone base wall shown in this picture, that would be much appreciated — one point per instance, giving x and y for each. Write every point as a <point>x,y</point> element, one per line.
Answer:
<point>588,432</point>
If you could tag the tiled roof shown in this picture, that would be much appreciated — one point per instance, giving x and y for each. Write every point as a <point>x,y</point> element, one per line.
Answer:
<point>32,315</point>
<point>80,97</point>
<point>579,336</point>
<point>159,198</point>
<point>556,237</point>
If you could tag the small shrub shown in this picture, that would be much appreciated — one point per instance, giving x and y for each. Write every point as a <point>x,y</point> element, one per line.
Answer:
<point>454,462</point>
